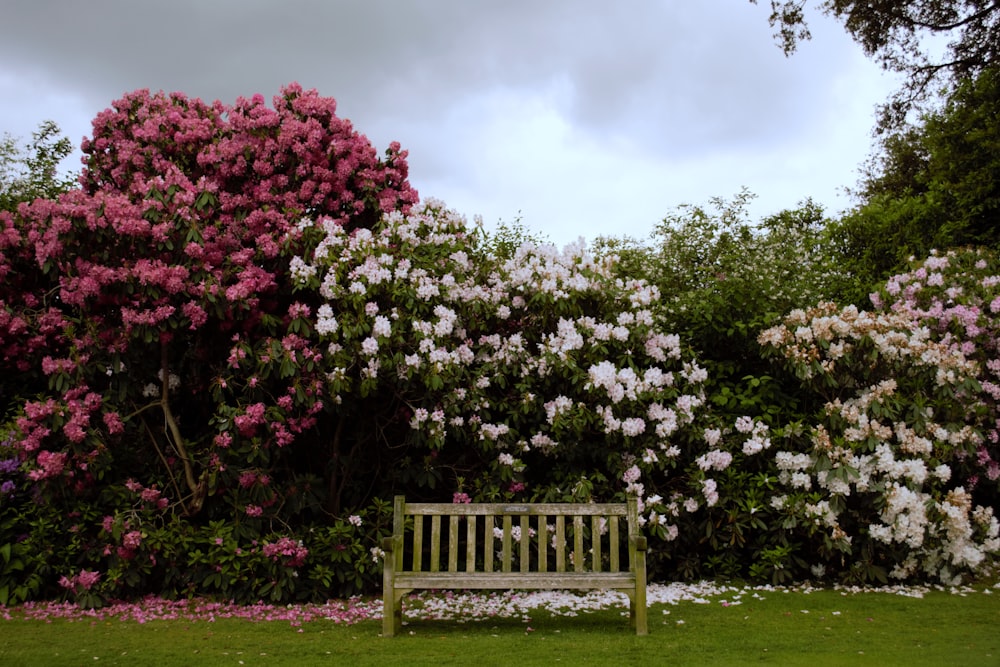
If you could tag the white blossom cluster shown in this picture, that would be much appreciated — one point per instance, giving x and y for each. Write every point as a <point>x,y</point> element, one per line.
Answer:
<point>447,315</point>
<point>715,459</point>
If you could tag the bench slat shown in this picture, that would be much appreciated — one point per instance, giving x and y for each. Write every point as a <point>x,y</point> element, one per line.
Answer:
<point>525,553</point>
<point>615,546</point>
<point>560,543</point>
<point>533,509</point>
<point>453,544</point>
<point>418,543</point>
<point>543,543</point>
<point>515,580</point>
<point>578,544</point>
<point>595,541</point>
<point>488,543</point>
<point>435,543</point>
<point>470,543</point>
<point>507,521</point>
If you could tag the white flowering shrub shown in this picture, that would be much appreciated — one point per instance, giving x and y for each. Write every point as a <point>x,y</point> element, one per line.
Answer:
<point>868,491</point>
<point>541,375</point>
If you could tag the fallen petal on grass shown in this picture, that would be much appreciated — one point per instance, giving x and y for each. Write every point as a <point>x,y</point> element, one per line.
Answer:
<point>432,605</point>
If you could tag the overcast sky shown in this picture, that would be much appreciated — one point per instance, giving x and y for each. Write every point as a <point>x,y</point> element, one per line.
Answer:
<point>582,117</point>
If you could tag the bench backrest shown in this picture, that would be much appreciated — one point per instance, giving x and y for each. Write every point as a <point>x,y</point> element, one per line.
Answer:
<point>515,537</point>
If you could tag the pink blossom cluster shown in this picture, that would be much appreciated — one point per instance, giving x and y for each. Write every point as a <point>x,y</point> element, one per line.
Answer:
<point>83,580</point>
<point>74,412</point>
<point>250,478</point>
<point>287,551</point>
<point>150,496</point>
<point>953,294</point>
<point>50,464</point>
<point>252,417</point>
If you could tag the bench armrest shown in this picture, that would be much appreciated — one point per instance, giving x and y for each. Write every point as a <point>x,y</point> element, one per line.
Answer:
<point>640,542</point>
<point>389,544</point>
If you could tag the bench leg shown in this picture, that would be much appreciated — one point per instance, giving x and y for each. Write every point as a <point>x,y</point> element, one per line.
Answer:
<point>397,613</point>
<point>637,613</point>
<point>637,618</point>
<point>392,614</point>
<point>389,612</point>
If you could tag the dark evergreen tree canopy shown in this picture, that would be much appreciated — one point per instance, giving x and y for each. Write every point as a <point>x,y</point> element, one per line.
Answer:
<point>936,185</point>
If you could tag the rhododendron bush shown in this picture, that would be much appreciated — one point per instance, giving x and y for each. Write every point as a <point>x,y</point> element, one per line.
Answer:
<point>128,308</point>
<point>541,375</point>
<point>896,479</point>
<point>955,296</point>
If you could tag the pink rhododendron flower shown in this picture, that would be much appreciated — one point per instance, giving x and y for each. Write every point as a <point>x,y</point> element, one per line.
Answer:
<point>286,550</point>
<point>51,464</point>
<point>85,579</point>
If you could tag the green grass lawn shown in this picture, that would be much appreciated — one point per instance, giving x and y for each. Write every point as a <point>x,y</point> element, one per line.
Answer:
<point>778,628</point>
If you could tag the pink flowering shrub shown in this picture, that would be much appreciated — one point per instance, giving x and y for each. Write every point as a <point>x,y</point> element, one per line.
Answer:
<point>149,333</point>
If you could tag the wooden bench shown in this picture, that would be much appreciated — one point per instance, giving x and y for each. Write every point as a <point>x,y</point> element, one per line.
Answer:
<point>556,546</point>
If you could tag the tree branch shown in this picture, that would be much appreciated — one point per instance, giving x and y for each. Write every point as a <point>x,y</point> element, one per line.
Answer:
<point>163,459</point>
<point>198,486</point>
<point>938,27</point>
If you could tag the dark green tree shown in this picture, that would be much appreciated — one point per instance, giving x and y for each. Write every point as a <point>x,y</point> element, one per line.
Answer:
<point>935,185</point>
